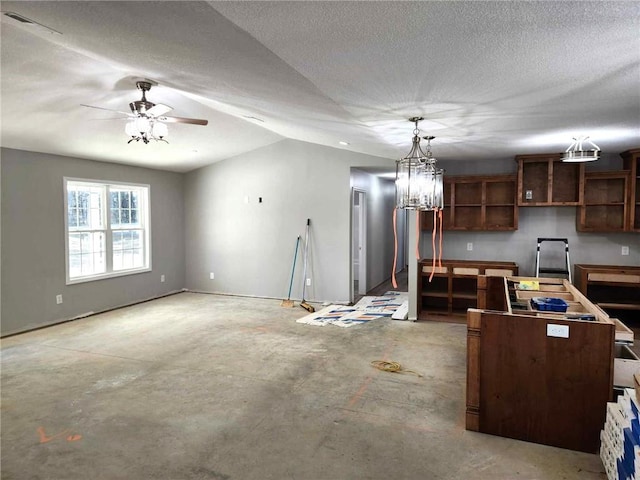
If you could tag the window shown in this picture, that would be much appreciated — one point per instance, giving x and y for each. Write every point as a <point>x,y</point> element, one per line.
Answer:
<point>107,229</point>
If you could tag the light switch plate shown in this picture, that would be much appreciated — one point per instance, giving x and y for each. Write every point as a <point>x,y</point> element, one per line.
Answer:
<point>560,331</point>
<point>625,250</point>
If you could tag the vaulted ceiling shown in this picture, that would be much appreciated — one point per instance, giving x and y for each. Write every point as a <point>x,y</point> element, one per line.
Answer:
<point>491,79</point>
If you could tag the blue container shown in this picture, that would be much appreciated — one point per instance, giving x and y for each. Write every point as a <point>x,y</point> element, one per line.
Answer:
<point>547,304</point>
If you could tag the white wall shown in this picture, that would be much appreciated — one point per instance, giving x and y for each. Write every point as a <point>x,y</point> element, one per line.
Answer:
<point>520,246</point>
<point>249,246</point>
<point>33,254</point>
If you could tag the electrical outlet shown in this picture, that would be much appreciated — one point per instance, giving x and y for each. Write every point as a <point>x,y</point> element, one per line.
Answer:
<point>308,282</point>
<point>528,195</point>
<point>469,246</point>
<point>560,331</point>
<point>161,278</point>
<point>625,251</point>
<point>211,276</point>
<point>58,299</point>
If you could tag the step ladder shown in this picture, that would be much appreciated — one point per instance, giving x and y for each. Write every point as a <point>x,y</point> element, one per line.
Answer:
<point>566,270</point>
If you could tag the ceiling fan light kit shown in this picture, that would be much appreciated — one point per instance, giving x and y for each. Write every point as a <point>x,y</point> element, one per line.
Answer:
<point>147,119</point>
<point>575,152</point>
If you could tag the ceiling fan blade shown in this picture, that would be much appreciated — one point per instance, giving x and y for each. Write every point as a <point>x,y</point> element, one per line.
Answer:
<point>158,110</point>
<point>193,121</point>
<point>128,114</point>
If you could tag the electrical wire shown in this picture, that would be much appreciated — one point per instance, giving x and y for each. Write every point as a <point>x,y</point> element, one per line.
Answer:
<point>417,234</point>
<point>433,245</point>
<point>393,367</point>
<point>394,283</point>
<point>440,234</point>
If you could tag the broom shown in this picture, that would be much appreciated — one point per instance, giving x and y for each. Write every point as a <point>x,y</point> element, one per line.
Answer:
<point>304,303</point>
<point>288,302</point>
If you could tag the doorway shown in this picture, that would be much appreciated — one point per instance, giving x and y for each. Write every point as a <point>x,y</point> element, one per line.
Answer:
<point>359,242</point>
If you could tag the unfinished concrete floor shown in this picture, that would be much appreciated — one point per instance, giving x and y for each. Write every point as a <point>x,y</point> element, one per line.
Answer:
<point>195,386</point>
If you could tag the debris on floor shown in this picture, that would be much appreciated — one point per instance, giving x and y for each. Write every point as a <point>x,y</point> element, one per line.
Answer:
<point>392,304</point>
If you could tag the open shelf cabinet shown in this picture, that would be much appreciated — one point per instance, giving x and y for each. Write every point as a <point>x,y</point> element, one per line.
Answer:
<point>478,203</point>
<point>454,286</point>
<point>544,180</point>
<point>631,162</point>
<point>614,288</point>
<point>605,207</point>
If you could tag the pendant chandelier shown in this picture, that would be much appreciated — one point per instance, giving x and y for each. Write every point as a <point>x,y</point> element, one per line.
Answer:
<point>575,153</point>
<point>419,183</point>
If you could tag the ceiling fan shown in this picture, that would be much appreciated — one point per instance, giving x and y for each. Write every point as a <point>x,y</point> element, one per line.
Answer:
<point>147,119</point>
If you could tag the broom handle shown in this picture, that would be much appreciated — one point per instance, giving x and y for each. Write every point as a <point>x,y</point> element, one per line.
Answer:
<point>295,257</point>
<point>306,250</point>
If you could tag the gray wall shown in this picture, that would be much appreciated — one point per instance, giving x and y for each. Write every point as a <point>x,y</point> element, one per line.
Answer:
<point>201,224</point>
<point>380,206</point>
<point>33,255</point>
<point>249,246</point>
<point>520,246</point>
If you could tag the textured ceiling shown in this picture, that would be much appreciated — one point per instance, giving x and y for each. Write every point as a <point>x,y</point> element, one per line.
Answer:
<point>492,79</point>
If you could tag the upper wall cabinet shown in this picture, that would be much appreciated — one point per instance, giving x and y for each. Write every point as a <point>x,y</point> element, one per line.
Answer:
<point>605,207</point>
<point>478,203</point>
<point>544,180</point>
<point>631,159</point>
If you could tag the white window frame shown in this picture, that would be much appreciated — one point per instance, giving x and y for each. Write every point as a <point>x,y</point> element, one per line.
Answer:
<point>145,220</point>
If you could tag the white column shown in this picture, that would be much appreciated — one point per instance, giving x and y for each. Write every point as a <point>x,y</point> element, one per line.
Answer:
<point>412,262</point>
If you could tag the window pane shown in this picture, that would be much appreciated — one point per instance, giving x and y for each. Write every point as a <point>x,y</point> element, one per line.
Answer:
<point>127,259</point>
<point>86,264</point>
<point>124,216</point>
<point>95,210</point>
<point>83,200</point>
<point>72,218</point>
<point>85,243</point>
<point>83,209</point>
<point>86,254</point>
<point>138,257</point>
<point>74,265</point>
<point>134,199</point>
<point>124,199</point>
<point>114,200</point>
<point>74,243</point>
<point>127,250</point>
<point>134,217</point>
<point>99,262</point>
<point>117,260</point>
<point>72,199</point>
<point>115,217</point>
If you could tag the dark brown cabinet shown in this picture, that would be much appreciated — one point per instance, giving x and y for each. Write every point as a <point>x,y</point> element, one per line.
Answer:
<point>615,288</point>
<point>454,286</point>
<point>538,376</point>
<point>605,205</point>
<point>544,180</point>
<point>631,159</point>
<point>478,203</point>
